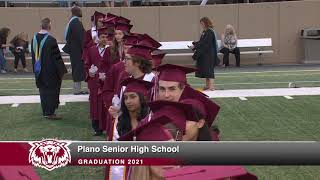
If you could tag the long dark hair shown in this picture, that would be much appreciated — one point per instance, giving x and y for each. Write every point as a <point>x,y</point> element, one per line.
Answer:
<point>4,33</point>
<point>124,121</point>
<point>114,50</point>
<point>204,132</point>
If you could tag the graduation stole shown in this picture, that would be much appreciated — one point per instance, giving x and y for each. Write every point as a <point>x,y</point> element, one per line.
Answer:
<point>67,27</point>
<point>37,53</point>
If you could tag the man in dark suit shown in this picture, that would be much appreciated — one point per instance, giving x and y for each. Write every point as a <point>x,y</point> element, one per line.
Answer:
<point>74,36</point>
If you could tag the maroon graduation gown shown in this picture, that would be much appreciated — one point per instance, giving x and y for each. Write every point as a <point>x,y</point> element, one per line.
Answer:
<point>109,88</point>
<point>97,111</point>
<point>88,43</point>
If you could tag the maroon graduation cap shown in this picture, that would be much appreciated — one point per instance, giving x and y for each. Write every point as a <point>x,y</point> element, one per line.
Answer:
<point>131,39</point>
<point>97,15</point>
<point>110,15</point>
<point>157,58</point>
<point>123,27</point>
<point>103,30</point>
<point>208,173</point>
<point>143,52</point>
<point>110,23</point>
<point>124,20</point>
<point>171,72</point>
<point>149,42</point>
<point>150,131</point>
<point>137,86</point>
<point>201,102</point>
<point>179,112</point>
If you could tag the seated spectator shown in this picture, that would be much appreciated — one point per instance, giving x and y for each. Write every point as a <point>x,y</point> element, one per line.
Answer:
<point>229,45</point>
<point>19,46</point>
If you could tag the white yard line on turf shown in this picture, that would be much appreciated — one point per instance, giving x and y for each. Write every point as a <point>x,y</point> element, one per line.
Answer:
<point>260,72</point>
<point>200,84</point>
<point>15,105</point>
<point>288,97</point>
<point>264,92</point>
<point>212,94</point>
<point>265,75</point>
<point>246,72</point>
<point>243,99</point>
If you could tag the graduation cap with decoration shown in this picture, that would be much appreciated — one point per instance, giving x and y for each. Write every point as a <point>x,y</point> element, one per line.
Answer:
<point>200,102</point>
<point>137,86</point>
<point>171,72</point>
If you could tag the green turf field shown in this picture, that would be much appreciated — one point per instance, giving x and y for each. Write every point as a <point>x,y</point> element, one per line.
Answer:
<point>231,78</point>
<point>257,119</point>
<point>263,118</point>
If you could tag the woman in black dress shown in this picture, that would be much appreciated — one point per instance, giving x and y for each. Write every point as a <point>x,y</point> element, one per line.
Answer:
<point>205,53</point>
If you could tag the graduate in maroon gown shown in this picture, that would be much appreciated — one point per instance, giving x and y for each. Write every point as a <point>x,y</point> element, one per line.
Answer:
<point>97,66</point>
<point>91,35</point>
<point>116,53</point>
<point>134,108</point>
<point>137,65</point>
<point>172,81</point>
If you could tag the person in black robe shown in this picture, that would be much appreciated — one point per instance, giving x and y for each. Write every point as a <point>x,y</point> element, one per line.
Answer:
<point>74,36</point>
<point>49,69</point>
<point>205,53</point>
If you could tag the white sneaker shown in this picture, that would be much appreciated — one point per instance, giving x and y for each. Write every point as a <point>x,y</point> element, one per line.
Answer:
<point>3,71</point>
<point>25,70</point>
<point>15,70</point>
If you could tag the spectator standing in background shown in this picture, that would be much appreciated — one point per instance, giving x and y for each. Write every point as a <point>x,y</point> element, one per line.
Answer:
<point>205,53</point>
<point>74,36</point>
